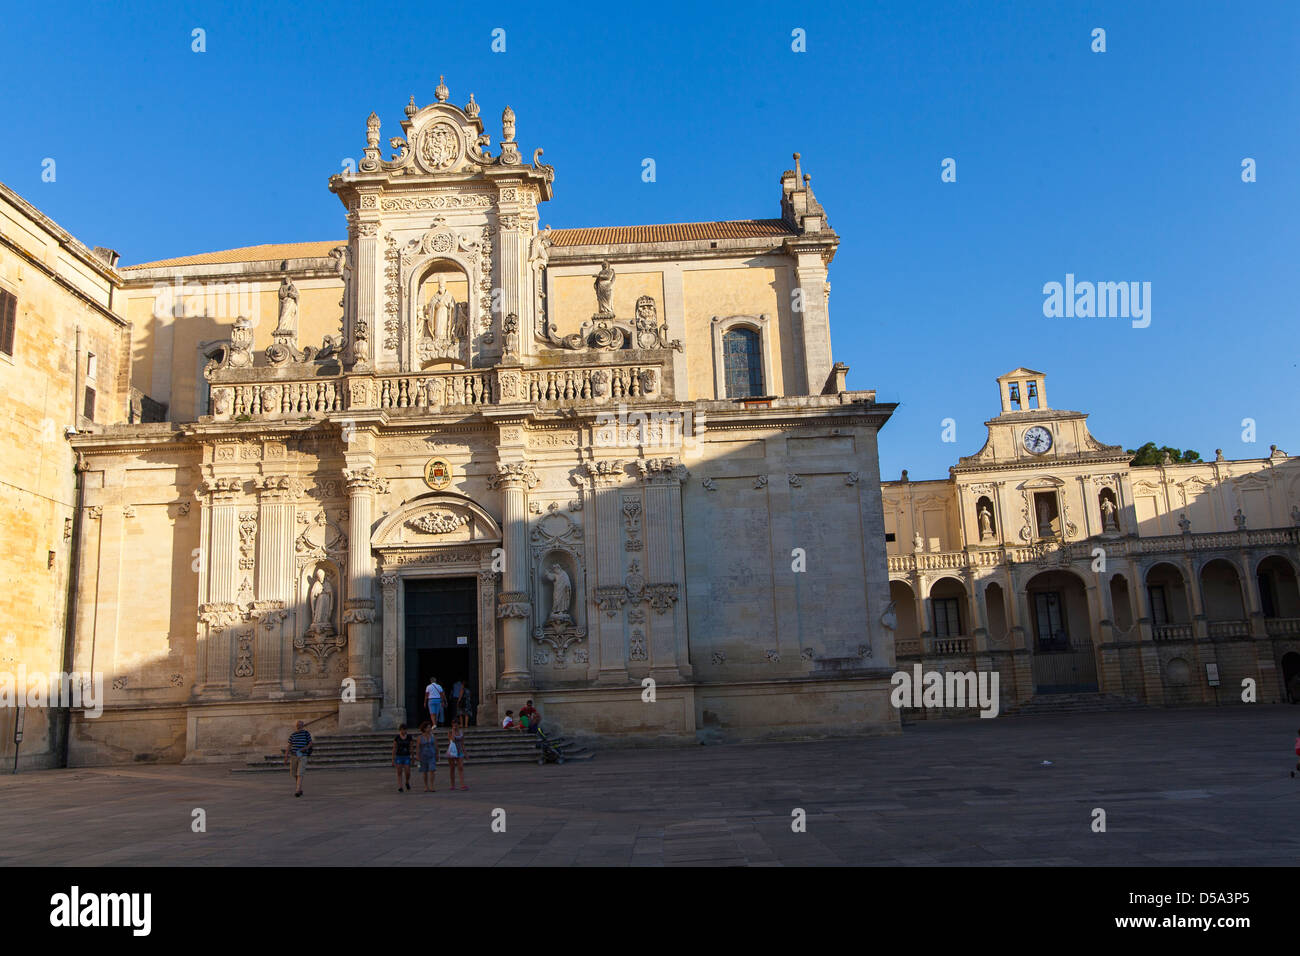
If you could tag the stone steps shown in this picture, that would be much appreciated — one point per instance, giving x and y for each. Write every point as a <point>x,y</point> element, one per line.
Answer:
<point>1055,704</point>
<point>373,749</point>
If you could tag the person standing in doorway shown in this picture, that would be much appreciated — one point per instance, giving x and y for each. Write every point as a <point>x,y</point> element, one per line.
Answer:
<point>433,701</point>
<point>464,706</point>
<point>296,753</point>
<point>402,757</point>
<point>456,755</point>
<point>428,746</point>
<point>453,702</point>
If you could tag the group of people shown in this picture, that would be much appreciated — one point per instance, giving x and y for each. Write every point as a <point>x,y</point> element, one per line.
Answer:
<point>455,709</point>
<point>426,745</point>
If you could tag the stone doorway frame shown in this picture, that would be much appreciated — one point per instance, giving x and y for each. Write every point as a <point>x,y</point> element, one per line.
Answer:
<point>398,561</point>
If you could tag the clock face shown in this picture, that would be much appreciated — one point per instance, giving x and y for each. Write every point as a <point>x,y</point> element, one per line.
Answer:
<point>1038,440</point>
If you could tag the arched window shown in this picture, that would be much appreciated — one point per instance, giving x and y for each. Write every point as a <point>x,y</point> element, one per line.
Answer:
<point>743,363</point>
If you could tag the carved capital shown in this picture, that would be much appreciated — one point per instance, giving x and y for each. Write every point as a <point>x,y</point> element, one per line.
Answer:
<point>388,581</point>
<point>221,489</point>
<point>514,475</point>
<point>219,614</point>
<point>280,488</point>
<point>661,470</point>
<point>661,596</point>
<point>611,598</point>
<point>604,472</point>
<point>364,479</point>
<point>513,604</point>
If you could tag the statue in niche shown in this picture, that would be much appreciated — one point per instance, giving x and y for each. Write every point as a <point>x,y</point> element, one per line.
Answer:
<point>986,523</point>
<point>288,324</point>
<point>561,595</point>
<point>605,290</point>
<point>538,256</point>
<point>1108,515</point>
<point>321,600</point>
<point>440,312</point>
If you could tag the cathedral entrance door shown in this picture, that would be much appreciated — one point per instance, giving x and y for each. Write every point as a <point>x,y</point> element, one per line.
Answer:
<point>441,638</point>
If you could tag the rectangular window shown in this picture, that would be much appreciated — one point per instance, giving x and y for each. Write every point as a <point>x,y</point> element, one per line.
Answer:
<point>1266,602</point>
<point>947,617</point>
<point>91,366</point>
<point>1050,620</point>
<point>1159,606</point>
<point>8,320</point>
<point>89,410</point>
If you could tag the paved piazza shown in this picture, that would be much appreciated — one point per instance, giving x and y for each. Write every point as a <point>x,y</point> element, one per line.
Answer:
<point>1187,787</point>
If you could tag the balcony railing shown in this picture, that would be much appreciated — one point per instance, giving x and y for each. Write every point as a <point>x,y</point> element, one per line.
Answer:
<point>1172,632</point>
<point>1282,626</point>
<point>267,394</point>
<point>1228,629</point>
<point>1049,551</point>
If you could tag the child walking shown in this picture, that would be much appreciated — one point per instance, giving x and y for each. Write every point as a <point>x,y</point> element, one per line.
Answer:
<point>402,757</point>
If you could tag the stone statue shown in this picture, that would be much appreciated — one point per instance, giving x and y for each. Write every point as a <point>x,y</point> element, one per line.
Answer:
<point>561,594</point>
<point>538,249</point>
<point>1108,515</point>
<point>605,289</point>
<point>321,599</point>
<point>539,253</point>
<point>288,324</point>
<point>986,523</point>
<point>1185,524</point>
<point>1295,515</point>
<point>440,313</point>
<point>1240,520</point>
<point>507,125</point>
<point>918,543</point>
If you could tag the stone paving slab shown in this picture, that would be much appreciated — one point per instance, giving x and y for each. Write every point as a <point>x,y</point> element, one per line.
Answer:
<point>1181,787</point>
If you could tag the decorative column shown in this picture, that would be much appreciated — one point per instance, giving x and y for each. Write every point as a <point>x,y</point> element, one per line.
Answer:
<point>665,567</point>
<point>812,323</point>
<point>1152,680</point>
<point>368,277</point>
<point>514,609</point>
<point>610,593</point>
<point>220,612</point>
<point>275,581</point>
<point>359,607</point>
<point>392,713</point>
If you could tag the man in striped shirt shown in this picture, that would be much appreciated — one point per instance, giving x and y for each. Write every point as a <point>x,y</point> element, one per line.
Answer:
<point>296,754</point>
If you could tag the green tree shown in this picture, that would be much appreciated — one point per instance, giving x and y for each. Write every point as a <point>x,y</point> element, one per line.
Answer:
<point>1149,454</point>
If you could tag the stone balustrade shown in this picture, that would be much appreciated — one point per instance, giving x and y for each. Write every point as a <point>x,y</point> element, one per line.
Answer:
<point>273,394</point>
<point>1172,632</point>
<point>1050,551</point>
<point>1282,626</point>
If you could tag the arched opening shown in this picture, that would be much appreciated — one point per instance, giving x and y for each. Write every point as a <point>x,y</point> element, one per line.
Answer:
<point>1178,682</point>
<point>441,326</point>
<point>986,520</point>
<point>1121,603</point>
<point>742,358</point>
<point>1279,596</point>
<point>1221,592</point>
<point>947,614</point>
<point>907,636</point>
<point>1167,600</point>
<point>996,607</point>
<point>1063,657</point>
<point>1291,676</point>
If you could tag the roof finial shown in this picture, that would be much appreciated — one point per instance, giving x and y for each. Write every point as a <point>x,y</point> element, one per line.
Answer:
<point>442,92</point>
<point>507,125</point>
<point>797,171</point>
<point>411,108</point>
<point>471,108</point>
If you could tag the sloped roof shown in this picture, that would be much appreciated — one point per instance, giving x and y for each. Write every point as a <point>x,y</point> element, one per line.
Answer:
<point>672,232</point>
<point>263,253</point>
<point>595,235</point>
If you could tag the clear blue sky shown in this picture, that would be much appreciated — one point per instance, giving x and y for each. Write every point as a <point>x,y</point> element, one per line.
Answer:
<point>1115,166</point>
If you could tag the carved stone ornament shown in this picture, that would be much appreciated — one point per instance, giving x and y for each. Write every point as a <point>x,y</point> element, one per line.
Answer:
<point>661,596</point>
<point>656,470</point>
<point>611,599</point>
<point>438,522</point>
<point>513,474</point>
<point>513,604</point>
<point>604,471</point>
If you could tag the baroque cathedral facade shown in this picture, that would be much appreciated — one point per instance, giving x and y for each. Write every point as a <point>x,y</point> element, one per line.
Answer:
<point>552,462</point>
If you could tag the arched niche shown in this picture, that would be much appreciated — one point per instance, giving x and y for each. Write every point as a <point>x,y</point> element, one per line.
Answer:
<point>440,322</point>
<point>986,520</point>
<point>557,539</point>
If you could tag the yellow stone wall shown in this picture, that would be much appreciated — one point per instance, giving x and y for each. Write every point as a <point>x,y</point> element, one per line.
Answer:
<point>573,298</point>
<point>37,475</point>
<point>169,322</point>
